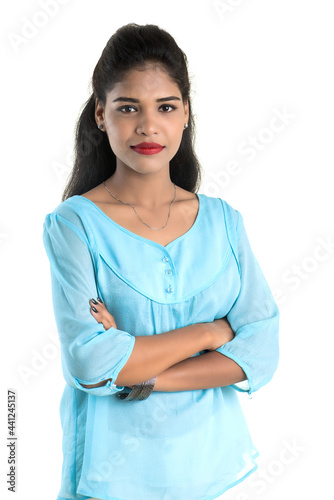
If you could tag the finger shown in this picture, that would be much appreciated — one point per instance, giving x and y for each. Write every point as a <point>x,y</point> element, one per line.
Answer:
<point>99,307</point>
<point>98,318</point>
<point>94,312</point>
<point>113,323</point>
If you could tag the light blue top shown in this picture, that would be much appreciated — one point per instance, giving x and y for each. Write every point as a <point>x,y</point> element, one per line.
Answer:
<point>189,445</point>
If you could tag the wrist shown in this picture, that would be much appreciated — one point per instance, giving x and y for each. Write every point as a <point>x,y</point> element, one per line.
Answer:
<point>138,392</point>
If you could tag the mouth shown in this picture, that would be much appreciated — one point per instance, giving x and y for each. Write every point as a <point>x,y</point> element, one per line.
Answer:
<point>147,148</point>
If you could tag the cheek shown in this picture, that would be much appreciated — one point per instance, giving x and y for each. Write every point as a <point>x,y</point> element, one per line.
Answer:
<point>118,148</point>
<point>176,138</point>
<point>117,134</point>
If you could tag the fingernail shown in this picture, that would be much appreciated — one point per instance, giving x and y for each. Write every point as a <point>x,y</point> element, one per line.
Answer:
<point>94,301</point>
<point>99,300</point>
<point>94,309</point>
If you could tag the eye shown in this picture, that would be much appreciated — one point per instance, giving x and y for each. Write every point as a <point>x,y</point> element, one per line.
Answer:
<point>167,108</point>
<point>127,109</point>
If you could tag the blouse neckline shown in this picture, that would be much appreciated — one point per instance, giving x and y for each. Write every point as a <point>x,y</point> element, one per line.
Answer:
<point>142,238</point>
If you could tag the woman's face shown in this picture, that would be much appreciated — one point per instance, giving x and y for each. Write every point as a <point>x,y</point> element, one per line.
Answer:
<point>145,107</point>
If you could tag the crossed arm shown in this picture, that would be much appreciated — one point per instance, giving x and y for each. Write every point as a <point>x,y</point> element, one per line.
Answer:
<point>208,370</point>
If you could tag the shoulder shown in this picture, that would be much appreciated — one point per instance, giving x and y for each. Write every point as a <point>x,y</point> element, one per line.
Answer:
<point>71,212</point>
<point>220,207</point>
<point>209,203</point>
<point>183,194</point>
<point>66,208</point>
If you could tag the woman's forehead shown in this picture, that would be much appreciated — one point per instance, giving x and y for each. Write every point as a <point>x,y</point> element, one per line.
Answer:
<point>151,81</point>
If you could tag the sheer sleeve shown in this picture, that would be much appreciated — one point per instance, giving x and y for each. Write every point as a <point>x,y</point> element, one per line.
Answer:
<point>254,316</point>
<point>90,354</point>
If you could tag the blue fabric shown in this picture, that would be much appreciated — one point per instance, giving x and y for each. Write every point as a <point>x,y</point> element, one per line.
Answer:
<point>191,444</point>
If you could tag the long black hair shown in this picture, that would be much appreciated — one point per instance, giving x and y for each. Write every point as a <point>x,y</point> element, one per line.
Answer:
<point>131,46</point>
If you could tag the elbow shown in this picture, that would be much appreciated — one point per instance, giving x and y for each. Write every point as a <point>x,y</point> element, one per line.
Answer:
<point>99,384</point>
<point>101,357</point>
<point>104,387</point>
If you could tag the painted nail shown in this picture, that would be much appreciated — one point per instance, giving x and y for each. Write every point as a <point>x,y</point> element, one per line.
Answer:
<point>94,309</point>
<point>98,298</point>
<point>94,301</point>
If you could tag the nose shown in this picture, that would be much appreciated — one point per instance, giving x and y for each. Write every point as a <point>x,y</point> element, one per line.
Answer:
<point>147,124</point>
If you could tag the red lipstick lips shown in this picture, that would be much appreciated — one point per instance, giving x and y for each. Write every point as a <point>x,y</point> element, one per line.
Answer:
<point>147,148</point>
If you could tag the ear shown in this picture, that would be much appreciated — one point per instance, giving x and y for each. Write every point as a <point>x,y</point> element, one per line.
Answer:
<point>99,111</point>
<point>186,111</point>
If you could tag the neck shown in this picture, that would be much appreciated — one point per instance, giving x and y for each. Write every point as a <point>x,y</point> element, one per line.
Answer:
<point>146,190</point>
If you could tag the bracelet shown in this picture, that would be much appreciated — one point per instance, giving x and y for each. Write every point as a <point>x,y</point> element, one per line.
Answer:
<point>139,392</point>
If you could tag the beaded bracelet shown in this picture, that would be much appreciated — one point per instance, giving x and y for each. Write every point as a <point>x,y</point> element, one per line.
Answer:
<point>139,392</point>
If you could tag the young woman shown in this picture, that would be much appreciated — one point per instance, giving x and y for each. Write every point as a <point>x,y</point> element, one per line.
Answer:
<point>161,307</point>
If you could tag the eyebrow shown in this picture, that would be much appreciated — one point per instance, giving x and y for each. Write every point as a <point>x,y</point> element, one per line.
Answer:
<point>162,99</point>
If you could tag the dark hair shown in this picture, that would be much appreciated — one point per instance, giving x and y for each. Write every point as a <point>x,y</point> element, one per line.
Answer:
<point>132,46</point>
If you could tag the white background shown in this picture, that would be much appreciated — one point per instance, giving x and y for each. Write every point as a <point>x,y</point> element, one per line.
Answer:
<point>249,61</point>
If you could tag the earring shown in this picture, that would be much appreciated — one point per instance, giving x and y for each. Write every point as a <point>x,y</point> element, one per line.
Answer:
<point>100,126</point>
<point>186,125</point>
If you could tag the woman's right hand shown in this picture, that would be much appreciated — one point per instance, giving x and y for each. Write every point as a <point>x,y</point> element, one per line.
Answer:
<point>101,314</point>
<point>220,333</point>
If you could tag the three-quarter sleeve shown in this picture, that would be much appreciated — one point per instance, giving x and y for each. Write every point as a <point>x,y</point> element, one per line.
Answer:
<point>254,316</point>
<point>90,354</point>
